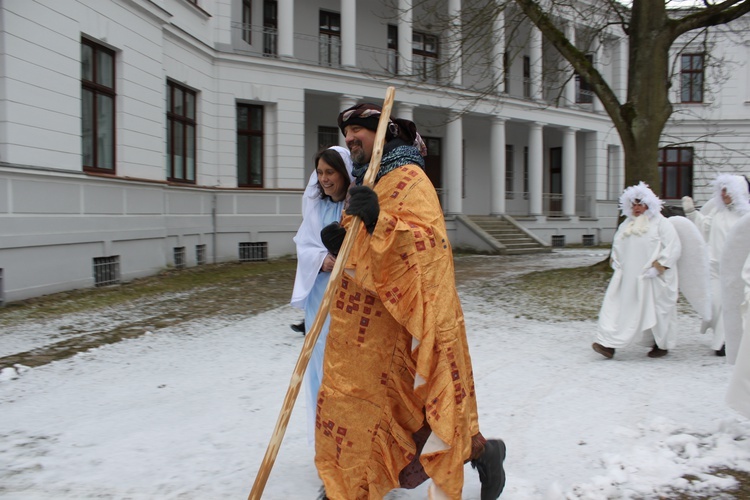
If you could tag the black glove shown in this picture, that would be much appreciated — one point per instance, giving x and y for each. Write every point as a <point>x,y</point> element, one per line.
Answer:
<point>332,237</point>
<point>364,202</point>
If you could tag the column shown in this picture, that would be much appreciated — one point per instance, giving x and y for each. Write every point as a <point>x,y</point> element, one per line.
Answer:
<point>535,169</point>
<point>346,102</point>
<point>498,52</point>
<point>497,166</point>
<point>621,79</point>
<point>570,85</point>
<point>348,33</point>
<point>454,43</point>
<point>569,172</point>
<point>597,104</point>
<point>404,37</point>
<point>453,165</point>
<point>405,111</point>
<point>535,56</point>
<point>286,28</point>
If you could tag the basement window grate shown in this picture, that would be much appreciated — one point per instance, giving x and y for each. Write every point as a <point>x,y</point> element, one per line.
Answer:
<point>589,240</point>
<point>253,251</point>
<point>179,257</point>
<point>200,254</point>
<point>106,270</point>
<point>558,240</point>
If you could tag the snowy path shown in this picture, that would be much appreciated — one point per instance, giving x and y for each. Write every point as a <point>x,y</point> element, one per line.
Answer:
<point>175,416</point>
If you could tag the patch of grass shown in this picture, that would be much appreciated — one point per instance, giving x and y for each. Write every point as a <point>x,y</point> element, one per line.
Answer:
<point>741,491</point>
<point>171,281</point>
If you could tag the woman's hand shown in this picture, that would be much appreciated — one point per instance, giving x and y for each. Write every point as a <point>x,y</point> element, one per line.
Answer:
<point>328,263</point>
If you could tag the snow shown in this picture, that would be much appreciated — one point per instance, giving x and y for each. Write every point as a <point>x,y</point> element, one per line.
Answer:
<point>187,413</point>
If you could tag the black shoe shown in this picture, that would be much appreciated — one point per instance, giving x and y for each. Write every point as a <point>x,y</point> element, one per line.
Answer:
<point>490,468</point>
<point>655,352</point>
<point>299,328</point>
<point>322,494</point>
<point>607,352</point>
<point>722,351</point>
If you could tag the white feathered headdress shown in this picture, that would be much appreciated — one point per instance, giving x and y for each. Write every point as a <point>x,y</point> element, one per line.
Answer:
<point>642,193</point>
<point>736,187</point>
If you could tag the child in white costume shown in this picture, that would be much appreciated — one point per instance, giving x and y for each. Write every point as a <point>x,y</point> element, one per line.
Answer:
<point>729,203</point>
<point>640,305</point>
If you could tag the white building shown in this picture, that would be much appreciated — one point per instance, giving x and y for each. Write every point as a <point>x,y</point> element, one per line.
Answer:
<point>139,134</point>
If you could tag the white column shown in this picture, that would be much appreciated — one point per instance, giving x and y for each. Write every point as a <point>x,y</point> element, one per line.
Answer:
<point>454,43</point>
<point>497,166</point>
<point>498,51</point>
<point>535,168</point>
<point>621,79</point>
<point>346,102</point>
<point>286,28</point>
<point>569,171</point>
<point>404,37</point>
<point>597,104</point>
<point>349,33</point>
<point>570,86</point>
<point>453,165</point>
<point>405,111</point>
<point>535,56</point>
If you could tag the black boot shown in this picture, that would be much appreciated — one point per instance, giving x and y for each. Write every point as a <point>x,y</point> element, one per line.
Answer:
<point>299,328</point>
<point>490,468</point>
<point>722,351</point>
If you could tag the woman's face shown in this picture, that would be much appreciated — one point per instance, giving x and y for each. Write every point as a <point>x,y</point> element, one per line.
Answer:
<point>725,197</point>
<point>639,209</point>
<point>333,183</point>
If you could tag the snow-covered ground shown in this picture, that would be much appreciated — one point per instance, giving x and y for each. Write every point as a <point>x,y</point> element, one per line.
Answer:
<point>188,415</point>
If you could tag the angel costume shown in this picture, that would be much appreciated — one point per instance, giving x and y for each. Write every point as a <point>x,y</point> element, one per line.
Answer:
<point>640,305</point>
<point>310,282</point>
<point>738,395</point>
<point>715,220</point>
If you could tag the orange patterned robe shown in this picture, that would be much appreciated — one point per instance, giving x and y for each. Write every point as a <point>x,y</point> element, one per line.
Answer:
<point>396,354</point>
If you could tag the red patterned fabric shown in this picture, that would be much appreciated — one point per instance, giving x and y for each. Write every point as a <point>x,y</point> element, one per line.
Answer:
<point>396,315</point>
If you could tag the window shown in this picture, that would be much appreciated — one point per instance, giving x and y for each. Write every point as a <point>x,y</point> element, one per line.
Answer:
<point>200,254</point>
<point>328,136</point>
<point>249,145</point>
<point>252,251</point>
<point>97,107</point>
<point>393,49</point>
<point>676,172</point>
<point>181,133</point>
<point>425,56</point>
<point>691,74</point>
<point>247,21</point>
<point>509,194</point>
<point>526,76</point>
<point>270,28</point>
<point>106,270</point>
<point>329,39</point>
<point>584,93</point>
<point>179,257</point>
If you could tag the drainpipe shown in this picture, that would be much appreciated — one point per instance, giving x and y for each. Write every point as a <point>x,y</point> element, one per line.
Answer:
<point>213,226</point>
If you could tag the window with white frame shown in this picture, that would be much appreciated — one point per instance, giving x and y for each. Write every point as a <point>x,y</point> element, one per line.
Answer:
<point>425,56</point>
<point>329,39</point>
<point>249,145</point>
<point>691,78</point>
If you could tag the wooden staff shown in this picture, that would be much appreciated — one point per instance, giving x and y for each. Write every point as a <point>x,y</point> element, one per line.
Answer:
<point>312,336</point>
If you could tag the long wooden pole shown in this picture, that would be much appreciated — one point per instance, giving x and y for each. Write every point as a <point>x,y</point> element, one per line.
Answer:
<point>312,335</point>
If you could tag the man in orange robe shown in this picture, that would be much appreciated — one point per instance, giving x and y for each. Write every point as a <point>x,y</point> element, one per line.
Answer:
<point>397,401</point>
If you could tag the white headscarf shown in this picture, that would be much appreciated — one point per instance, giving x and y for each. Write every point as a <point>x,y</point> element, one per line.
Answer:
<point>737,188</point>
<point>310,249</point>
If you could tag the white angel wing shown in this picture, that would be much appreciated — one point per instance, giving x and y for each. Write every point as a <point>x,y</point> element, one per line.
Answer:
<point>736,251</point>
<point>693,272</point>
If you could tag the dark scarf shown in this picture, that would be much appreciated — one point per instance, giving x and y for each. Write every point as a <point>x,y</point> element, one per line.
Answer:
<point>395,154</point>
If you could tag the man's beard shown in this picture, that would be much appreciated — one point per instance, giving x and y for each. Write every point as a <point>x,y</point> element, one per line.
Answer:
<point>359,157</point>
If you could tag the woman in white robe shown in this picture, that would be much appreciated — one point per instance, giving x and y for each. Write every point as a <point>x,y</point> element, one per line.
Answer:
<point>738,395</point>
<point>729,203</point>
<point>322,204</point>
<point>640,305</point>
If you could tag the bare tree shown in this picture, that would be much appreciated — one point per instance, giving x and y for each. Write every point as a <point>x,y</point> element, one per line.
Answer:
<point>651,28</point>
